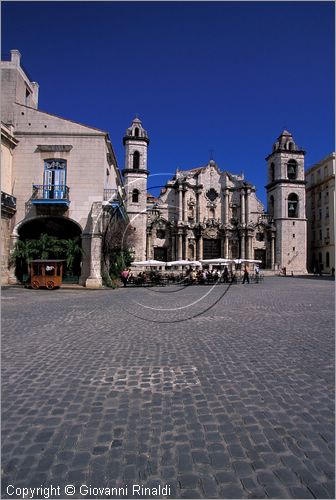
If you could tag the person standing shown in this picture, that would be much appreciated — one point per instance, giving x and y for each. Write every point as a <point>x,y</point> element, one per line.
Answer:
<point>246,276</point>
<point>124,276</point>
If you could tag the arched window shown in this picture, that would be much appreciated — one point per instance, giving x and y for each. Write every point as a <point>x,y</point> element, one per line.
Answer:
<point>293,205</point>
<point>136,159</point>
<point>290,146</point>
<point>272,174</point>
<point>292,169</point>
<point>136,132</point>
<point>271,206</point>
<point>135,196</point>
<point>211,213</point>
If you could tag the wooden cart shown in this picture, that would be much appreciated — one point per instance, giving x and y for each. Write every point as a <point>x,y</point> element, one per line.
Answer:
<point>45,273</point>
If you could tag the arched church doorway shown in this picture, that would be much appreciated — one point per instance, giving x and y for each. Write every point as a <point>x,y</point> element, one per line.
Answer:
<point>48,238</point>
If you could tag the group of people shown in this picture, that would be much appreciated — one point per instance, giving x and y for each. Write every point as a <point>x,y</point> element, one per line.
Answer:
<point>201,276</point>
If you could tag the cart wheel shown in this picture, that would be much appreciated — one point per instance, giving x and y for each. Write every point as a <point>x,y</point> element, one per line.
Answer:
<point>50,285</point>
<point>35,284</point>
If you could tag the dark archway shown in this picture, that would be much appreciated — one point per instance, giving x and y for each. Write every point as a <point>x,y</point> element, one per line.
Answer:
<point>58,227</point>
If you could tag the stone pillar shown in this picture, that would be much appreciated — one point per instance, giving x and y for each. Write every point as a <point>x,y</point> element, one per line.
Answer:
<point>226,206</point>
<point>180,217</point>
<point>242,246</point>
<point>179,247</point>
<point>249,247</point>
<point>94,243</point>
<point>226,247</point>
<point>247,206</point>
<point>185,205</point>
<point>272,250</point>
<point>242,207</point>
<point>200,248</point>
<point>11,272</point>
<point>95,280</point>
<point>149,245</point>
<point>198,208</point>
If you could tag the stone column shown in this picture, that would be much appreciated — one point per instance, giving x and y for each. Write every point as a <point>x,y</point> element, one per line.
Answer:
<point>226,206</point>
<point>185,205</point>
<point>179,247</point>
<point>249,247</point>
<point>94,242</point>
<point>247,206</point>
<point>200,248</point>
<point>11,272</point>
<point>272,250</point>
<point>198,208</point>
<point>149,245</point>
<point>242,246</point>
<point>226,247</point>
<point>242,207</point>
<point>180,217</point>
<point>95,280</point>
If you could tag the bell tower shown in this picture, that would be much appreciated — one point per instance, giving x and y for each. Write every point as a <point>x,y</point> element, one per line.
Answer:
<point>135,179</point>
<point>286,203</point>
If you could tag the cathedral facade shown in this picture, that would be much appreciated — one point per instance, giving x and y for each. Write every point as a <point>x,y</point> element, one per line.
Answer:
<point>206,213</point>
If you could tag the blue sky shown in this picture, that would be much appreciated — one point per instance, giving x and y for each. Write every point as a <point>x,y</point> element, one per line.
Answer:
<point>221,76</point>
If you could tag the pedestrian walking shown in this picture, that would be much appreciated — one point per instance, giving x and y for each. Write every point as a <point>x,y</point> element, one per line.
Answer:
<point>246,276</point>
<point>124,276</point>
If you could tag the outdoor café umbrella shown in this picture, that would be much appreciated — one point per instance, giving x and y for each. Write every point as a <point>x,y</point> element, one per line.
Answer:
<point>149,263</point>
<point>216,261</point>
<point>183,263</point>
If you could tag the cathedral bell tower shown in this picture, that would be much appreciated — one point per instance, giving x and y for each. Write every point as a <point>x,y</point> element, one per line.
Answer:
<point>135,180</point>
<point>286,203</point>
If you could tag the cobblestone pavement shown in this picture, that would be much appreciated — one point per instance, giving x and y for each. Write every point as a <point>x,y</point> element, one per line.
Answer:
<point>116,388</point>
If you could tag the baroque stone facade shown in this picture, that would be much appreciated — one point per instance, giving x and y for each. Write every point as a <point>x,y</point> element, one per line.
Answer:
<point>204,213</point>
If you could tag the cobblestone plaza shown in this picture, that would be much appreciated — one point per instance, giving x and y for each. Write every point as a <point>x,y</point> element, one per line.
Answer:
<point>216,392</point>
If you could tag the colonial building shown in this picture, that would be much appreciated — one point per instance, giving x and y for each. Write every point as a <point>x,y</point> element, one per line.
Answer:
<point>61,176</point>
<point>320,187</point>
<point>205,213</point>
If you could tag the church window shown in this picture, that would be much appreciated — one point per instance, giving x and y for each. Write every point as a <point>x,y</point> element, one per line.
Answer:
<point>293,205</point>
<point>136,132</point>
<point>260,237</point>
<point>161,234</point>
<point>293,235</point>
<point>136,159</point>
<point>327,259</point>
<point>290,146</point>
<point>135,196</point>
<point>212,194</point>
<point>211,213</point>
<point>326,171</point>
<point>292,169</point>
<point>272,172</point>
<point>293,249</point>
<point>327,212</point>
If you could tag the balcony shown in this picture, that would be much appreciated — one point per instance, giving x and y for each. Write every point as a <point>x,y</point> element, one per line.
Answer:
<point>8,204</point>
<point>50,194</point>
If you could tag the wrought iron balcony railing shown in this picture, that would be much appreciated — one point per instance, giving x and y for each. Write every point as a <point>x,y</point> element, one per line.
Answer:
<point>8,203</point>
<point>50,194</point>
<point>112,195</point>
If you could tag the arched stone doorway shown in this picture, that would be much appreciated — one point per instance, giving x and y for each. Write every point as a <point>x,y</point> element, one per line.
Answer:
<point>60,227</point>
